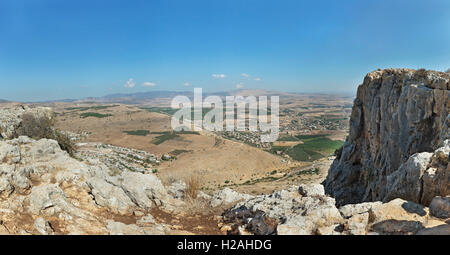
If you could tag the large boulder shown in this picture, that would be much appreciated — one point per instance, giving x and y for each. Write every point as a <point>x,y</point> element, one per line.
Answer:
<point>43,226</point>
<point>110,196</point>
<point>405,182</point>
<point>145,190</point>
<point>398,217</point>
<point>227,196</point>
<point>311,190</point>
<point>440,207</point>
<point>349,210</point>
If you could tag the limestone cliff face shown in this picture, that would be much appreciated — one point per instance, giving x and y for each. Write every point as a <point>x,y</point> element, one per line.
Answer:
<point>396,114</point>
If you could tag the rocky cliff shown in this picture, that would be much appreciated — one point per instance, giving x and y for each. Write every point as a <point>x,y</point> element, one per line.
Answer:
<point>398,143</point>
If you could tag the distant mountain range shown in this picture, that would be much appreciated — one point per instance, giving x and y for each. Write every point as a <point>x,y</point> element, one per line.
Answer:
<point>158,96</point>
<point>145,97</point>
<point>139,97</point>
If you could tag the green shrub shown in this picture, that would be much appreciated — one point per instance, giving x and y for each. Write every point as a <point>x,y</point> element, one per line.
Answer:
<point>65,142</point>
<point>164,137</point>
<point>94,114</point>
<point>303,137</point>
<point>137,132</point>
<point>43,127</point>
<point>177,152</point>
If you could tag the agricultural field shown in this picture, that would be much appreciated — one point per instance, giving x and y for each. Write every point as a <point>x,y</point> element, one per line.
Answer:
<point>94,114</point>
<point>310,148</point>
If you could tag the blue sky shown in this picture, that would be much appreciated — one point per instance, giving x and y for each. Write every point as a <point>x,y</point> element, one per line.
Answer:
<point>56,49</point>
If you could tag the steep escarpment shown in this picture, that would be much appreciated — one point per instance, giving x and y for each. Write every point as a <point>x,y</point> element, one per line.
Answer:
<point>398,144</point>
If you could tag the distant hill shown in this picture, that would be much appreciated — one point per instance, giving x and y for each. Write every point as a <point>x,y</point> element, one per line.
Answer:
<point>140,97</point>
<point>164,95</point>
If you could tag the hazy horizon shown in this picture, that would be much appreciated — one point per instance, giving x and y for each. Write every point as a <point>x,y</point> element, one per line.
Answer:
<point>187,90</point>
<point>53,50</point>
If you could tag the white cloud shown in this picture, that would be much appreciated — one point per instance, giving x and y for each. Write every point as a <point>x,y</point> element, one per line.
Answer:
<point>240,85</point>
<point>186,84</point>
<point>148,84</point>
<point>257,79</point>
<point>130,83</point>
<point>219,76</point>
<point>245,75</point>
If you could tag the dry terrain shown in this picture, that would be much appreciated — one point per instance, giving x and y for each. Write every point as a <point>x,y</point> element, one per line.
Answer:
<point>218,160</point>
<point>215,160</point>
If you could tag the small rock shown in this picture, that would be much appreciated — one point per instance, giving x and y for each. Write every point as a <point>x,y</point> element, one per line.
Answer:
<point>349,210</point>
<point>147,219</point>
<point>119,228</point>
<point>43,226</point>
<point>440,207</point>
<point>227,196</point>
<point>138,213</point>
<point>357,224</point>
<point>311,190</point>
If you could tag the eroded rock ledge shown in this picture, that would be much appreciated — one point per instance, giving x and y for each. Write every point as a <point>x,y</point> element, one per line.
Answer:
<point>306,210</point>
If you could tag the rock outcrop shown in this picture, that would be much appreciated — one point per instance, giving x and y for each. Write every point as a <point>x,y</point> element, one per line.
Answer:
<point>227,196</point>
<point>398,146</point>
<point>304,210</point>
<point>11,117</point>
<point>44,191</point>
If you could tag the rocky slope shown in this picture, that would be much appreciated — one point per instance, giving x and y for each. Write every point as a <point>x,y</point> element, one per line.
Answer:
<point>102,189</point>
<point>398,144</point>
<point>306,210</point>
<point>43,190</point>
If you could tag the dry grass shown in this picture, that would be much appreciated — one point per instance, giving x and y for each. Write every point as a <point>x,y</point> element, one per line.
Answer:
<point>201,206</point>
<point>5,159</point>
<point>167,179</point>
<point>192,187</point>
